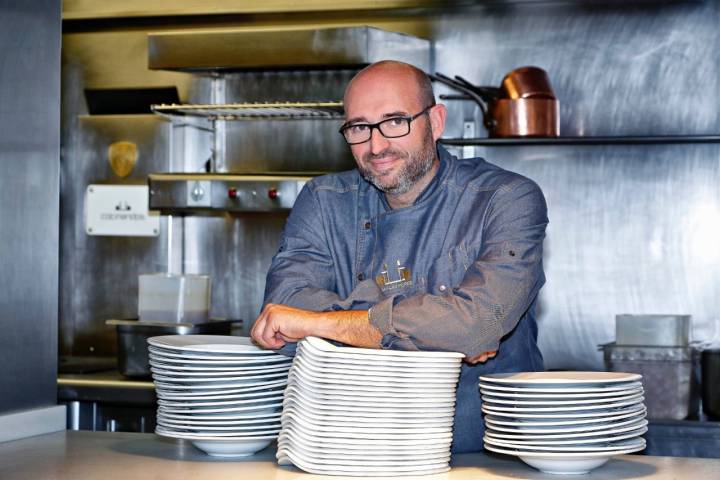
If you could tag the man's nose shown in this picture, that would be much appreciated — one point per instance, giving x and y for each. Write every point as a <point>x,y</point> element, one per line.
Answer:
<point>378,142</point>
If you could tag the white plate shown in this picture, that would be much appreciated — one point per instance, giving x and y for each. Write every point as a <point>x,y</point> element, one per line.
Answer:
<point>265,407</point>
<point>332,439</point>
<point>377,395</point>
<point>254,422</point>
<point>561,379</point>
<point>220,434</point>
<point>552,431</point>
<point>209,344</point>
<point>377,411</point>
<point>349,427</point>
<point>223,425</point>
<point>357,383</point>
<point>565,408</point>
<point>221,403</point>
<point>546,403</point>
<point>562,416</point>
<point>227,417</point>
<point>289,436</point>
<point>337,376</point>
<point>233,393</point>
<point>527,423</point>
<point>558,390</point>
<point>191,436</point>
<point>559,395</point>
<point>348,470</point>
<point>264,367</point>
<point>599,447</point>
<point>326,346</point>
<point>426,375</point>
<point>239,372</point>
<point>306,455</point>
<point>369,419</point>
<point>599,439</point>
<point>213,388</point>
<point>350,399</point>
<point>195,358</point>
<point>210,381</point>
<point>341,453</point>
<point>365,362</point>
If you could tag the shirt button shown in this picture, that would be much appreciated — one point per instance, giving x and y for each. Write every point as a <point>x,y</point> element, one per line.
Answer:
<point>367,225</point>
<point>360,277</point>
<point>442,288</point>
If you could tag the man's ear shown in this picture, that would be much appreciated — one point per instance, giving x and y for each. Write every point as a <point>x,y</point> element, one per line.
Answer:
<point>437,115</point>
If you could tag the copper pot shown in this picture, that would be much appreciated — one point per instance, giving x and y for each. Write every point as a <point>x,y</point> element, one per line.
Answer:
<point>525,117</point>
<point>526,82</point>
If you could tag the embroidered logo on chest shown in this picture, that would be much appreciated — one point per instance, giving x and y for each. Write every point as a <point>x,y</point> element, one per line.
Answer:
<point>388,282</point>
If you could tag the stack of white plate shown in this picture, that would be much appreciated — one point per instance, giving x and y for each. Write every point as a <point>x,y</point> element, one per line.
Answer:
<point>222,393</point>
<point>367,412</point>
<point>564,422</point>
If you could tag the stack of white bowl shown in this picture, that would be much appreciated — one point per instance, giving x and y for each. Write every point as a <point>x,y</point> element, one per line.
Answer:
<point>367,412</point>
<point>222,393</point>
<point>564,422</point>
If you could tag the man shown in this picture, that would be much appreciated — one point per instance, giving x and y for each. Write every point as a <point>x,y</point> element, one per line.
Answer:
<point>414,250</point>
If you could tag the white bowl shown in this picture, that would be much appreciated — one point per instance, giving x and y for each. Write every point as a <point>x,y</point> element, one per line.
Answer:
<point>231,448</point>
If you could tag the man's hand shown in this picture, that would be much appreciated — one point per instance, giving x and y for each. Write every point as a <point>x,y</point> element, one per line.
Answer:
<point>279,324</point>
<point>482,358</point>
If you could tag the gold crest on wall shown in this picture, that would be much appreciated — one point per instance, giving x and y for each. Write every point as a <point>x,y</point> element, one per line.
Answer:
<point>122,157</point>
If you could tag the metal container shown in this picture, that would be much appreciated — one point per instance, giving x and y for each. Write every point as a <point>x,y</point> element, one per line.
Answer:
<point>653,330</point>
<point>132,338</point>
<point>668,378</point>
<point>711,382</point>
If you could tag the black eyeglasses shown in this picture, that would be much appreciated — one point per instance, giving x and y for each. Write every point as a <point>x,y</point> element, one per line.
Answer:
<point>389,128</point>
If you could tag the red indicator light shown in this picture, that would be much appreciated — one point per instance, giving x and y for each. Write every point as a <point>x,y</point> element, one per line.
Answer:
<point>232,192</point>
<point>273,193</point>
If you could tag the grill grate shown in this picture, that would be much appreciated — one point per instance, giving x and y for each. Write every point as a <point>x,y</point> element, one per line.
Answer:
<point>250,111</point>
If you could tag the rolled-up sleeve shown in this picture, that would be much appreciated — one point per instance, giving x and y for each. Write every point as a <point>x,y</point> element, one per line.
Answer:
<point>497,289</point>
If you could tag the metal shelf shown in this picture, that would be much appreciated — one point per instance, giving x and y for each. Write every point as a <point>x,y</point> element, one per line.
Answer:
<point>250,111</point>
<point>630,140</point>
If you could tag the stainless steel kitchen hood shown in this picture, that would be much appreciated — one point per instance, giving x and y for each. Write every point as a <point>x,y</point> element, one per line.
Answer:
<point>278,49</point>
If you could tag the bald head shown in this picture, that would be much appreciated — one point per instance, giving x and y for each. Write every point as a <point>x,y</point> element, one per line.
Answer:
<point>406,76</point>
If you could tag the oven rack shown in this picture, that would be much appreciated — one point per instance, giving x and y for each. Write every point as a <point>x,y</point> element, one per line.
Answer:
<point>251,111</point>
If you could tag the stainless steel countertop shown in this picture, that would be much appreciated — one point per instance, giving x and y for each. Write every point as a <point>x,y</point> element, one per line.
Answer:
<point>84,455</point>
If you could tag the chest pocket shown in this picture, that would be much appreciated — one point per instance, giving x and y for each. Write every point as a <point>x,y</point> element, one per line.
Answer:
<point>447,271</point>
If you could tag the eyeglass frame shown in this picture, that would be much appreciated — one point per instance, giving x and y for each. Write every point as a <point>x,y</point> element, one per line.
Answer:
<point>376,125</point>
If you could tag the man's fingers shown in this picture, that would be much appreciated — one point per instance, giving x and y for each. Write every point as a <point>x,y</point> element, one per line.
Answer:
<point>482,358</point>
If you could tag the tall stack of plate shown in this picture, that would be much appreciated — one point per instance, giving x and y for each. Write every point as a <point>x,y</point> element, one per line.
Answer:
<point>222,393</point>
<point>367,412</point>
<point>564,422</point>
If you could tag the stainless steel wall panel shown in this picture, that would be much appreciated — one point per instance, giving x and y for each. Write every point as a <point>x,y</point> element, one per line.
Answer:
<point>623,69</point>
<point>29,170</point>
<point>99,275</point>
<point>633,229</point>
<point>236,252</point>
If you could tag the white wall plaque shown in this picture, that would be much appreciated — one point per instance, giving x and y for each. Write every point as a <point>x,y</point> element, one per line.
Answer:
<point>120,210</point>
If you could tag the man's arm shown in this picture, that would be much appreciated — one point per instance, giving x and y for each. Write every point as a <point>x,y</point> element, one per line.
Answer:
<point>496,291</point>
<point>278,324</point>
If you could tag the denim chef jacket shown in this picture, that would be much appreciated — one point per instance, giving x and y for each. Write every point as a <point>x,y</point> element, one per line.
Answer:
<point>459,270</point>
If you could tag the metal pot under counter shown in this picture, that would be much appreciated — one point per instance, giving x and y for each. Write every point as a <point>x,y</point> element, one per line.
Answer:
<point>118,456</point>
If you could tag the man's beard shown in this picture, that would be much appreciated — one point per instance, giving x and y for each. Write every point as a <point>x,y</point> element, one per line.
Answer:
<point>416,165</point>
